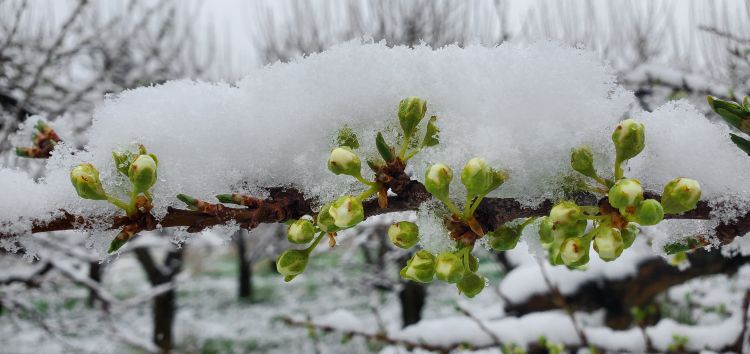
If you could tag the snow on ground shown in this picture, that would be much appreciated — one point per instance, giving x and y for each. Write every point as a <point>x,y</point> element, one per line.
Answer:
<point>522,107</point>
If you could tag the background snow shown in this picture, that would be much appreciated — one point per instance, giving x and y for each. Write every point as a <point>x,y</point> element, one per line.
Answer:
<point>522,107</point>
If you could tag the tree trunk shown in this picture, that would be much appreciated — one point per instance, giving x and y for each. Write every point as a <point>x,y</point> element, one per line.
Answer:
<point>412,298</point>
<point>95,274</point>
<point>245,281</point>
<point>164,305</point>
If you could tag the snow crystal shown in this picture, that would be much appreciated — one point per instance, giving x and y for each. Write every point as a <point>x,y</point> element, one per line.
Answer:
<point>433,236</point>
<point>521,107</point>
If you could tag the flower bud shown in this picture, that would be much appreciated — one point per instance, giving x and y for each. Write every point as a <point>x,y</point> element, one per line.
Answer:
<point>449,267</point>
<point>628,235</point>
<point>292,263</point>
<point>142,172</point>
<point>503,238</point>
<point>85,179</point>
<point>420,268</point>
<point>545,230</point>
<point>437,180</point>
<point>301,231</point>
<point>471,284</point>
<point>344,161</point>
<point>325,221</point>
<point>680,195</point>
<point>411,110</point>
<point>475,176</point>
<point>582,161</point>
<point>565,213</point>
<point>608,243</point>
<point>122,161</point>
<point>347,211</point>
<point>626,192</point>
<point>629,139</point>
<point>649,212</point>
<point>574,251</point>
<point>404,234</point>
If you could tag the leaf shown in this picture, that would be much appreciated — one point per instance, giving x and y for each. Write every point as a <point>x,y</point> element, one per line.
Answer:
<point>729,117</point>
<point>431,136</point>
<point>384,149</point>
<point>347,137</point>
<point>742,143</point>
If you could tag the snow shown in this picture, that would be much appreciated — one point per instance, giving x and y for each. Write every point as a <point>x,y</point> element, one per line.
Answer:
<point>521,107</point>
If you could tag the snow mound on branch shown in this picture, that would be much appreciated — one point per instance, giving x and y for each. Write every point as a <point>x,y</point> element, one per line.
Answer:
<point>522,107</point>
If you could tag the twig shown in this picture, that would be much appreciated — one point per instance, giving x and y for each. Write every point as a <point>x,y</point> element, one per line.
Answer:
<point>555,291</point>
<point>495,339</point>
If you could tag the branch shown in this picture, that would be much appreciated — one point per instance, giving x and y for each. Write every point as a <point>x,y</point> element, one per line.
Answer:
<point>652,277</point>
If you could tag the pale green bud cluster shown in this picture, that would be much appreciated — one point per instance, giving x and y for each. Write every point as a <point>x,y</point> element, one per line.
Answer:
<point>626,192</point>
<point>404,234</point>
<point>142,173</point>
<point>608,243</point>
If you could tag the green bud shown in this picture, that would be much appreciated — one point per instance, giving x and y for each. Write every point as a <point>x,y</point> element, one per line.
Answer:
<point>475,176</point>
<point>565,213</point>
<point>582,161</point>
<point>473,263</point>
<point>431,136</point>
<point>629,139</point>
<point>680,195</point>
<point>404,234</point>
<point>545,230</point>
<point>608,243</point>
<point>325,220</point>
<point>503,238</point>
<point>292,263</point>
<point>574,251</point>
<point>344,161</point>
<point>420,268</point>
<point>449,267</point>
<point>85,178</point>
<point>411,110</point>
<point>471,284</point>
<point>733,113</point>
<point>437,180</point>
<point>301,231</point>
<point>649,212</point>
<point>628,235</point>
<point>347,211</point>
<point>626,192</point>
<point>142,172</point>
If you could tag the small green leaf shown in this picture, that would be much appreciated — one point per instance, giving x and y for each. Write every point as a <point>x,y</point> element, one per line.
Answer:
<point>741,143</point>
<point>347,137</point>
<point>384,149</point>
<point>431,136</point>
<point>116,244</point>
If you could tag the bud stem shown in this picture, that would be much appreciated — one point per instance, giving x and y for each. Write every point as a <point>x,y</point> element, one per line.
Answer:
<point>118,203</point>
<point>131,207</point>
<point>618,169</point>
<point>412,154</point>
<point>369,192</point>
<point>404,147</point>
<point>451,206</point>
<point>315,242</point>
<point>366,182</point>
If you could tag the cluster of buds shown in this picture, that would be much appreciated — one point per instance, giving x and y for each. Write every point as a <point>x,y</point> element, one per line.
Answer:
<point>479,179</point>
<point>615,221</point>
<point>347,211</point>
<point>459,268</point>
<point>140,168</point>
<point>737,115</point>
<point>43,142</point>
